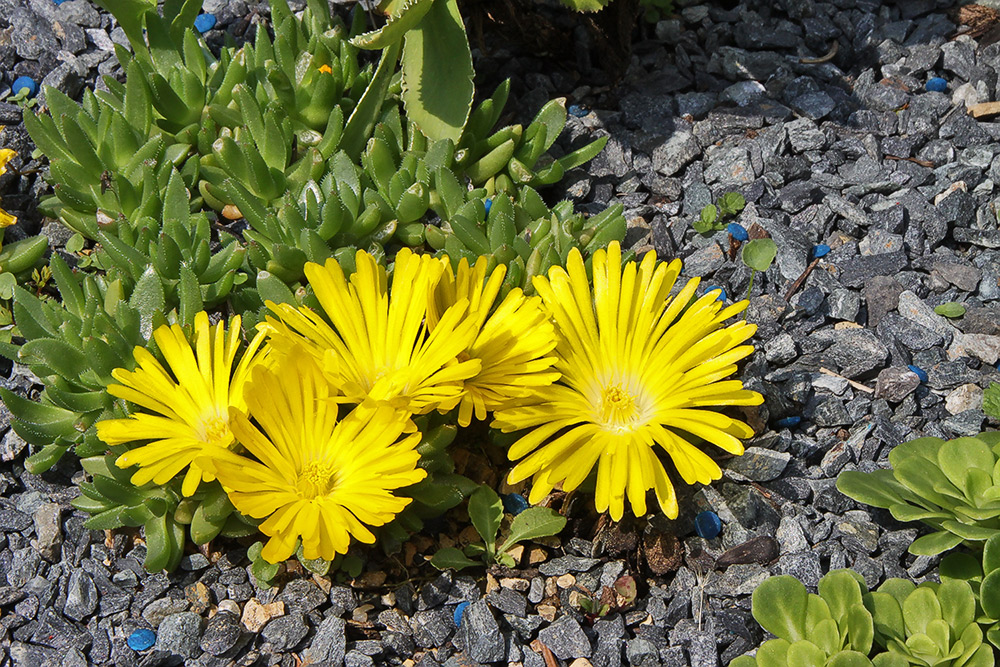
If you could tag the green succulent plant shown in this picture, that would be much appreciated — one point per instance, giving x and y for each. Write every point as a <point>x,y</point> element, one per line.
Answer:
<point>831,629</point>
<point>983,575</point>
<point>72,346</point>
<point>931,624</point>
<point>952,486</point>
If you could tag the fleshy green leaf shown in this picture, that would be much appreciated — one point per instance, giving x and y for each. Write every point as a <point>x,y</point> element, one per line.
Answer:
<point>759,253</point>
<point>450,558</point>
<point>533,523</point>
<point>951,309</point>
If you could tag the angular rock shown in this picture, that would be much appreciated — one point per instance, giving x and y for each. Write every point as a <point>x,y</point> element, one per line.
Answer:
<point>565,638</point>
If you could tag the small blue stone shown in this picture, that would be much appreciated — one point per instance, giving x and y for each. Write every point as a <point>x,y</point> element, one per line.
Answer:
<point>936,85</point>
<point>488,204</point>
<point>708,525</point>
<point>820,250</point>
<point>578,111</point>
<point>514,503</point>
<point>737,231</point>
<point>58,2</point>
<point>204,22</point>
<point>141,640</point>
<point>788,422</point>
<point>722,292</point>
<point>24,82</point>
<point>459,612</point>
<point>920,372</point>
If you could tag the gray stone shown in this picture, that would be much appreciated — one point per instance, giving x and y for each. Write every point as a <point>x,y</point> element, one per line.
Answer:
<point>48,531</point>
<point>566,639</point>
<point>814,105</point>
<point>858,271</point>
<point>432,628</point>
<point>705,261</point>
<point>508,601</point>
<point>790,536</point>
<point>978,346</point>
<point>180,634</point>
<point>878,241</point>
<point>330,642</point>
<point>285,632</point>
<point>804,566</point>
<point>302,595</point>
<point>158,610</point>
<point>481,633</point>
<point>566,564</point>
<point>831,412</point>
<point>729,166</point>
<point>913,308</point>
<point>803,135</point>
<point>223,631</point>
<point>759,465</point>
<point>641,652</point>
<point>962,398</point>
<point>856,351</point>
<point>881,295</point>
<point>895,383</point>
<point>81,596</point>
<point>963,276</point>
<point>32,35</point>
<point>912,335</point>
<point>12,446</point>
<point>844,304</point>
<point>967,424</point>
<point>675,153</point>
<point>780,350</point>
<point>357,659</point>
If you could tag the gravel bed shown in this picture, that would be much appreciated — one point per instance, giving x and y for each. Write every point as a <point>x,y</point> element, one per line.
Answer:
<point>852,153</point>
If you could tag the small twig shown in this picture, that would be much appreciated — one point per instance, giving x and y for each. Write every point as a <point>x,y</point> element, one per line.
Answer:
<point>550,660</point>
<point>922,163</point>
<point>856,385</point>
<point>801,279</point>
<point>822,59</point>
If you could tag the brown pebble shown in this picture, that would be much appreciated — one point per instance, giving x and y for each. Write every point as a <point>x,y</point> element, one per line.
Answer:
<point>515,584</point>
<point>537,555</point>
<point>231,212</point>
<point>491,583</point>
<point>550,587</point>
<point>256,615</point>
<point>581,662</point>
<point>547,611</point>
<point>566,581</point>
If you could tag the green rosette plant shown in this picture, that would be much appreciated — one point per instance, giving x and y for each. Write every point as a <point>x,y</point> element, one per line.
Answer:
<point>931,624</point>
<point>952,486</point>
<point>831,629</point>
<point>983,575</point>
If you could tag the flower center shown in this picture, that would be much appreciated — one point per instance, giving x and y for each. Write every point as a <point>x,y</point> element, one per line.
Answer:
<point>618,407</point>
<point>318,478</point>
<point>215,431</point>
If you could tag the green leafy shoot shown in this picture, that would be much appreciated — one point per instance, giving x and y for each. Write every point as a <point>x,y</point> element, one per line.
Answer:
<point>991,400</point>
<point>486,513</point>
<point>758,256</point>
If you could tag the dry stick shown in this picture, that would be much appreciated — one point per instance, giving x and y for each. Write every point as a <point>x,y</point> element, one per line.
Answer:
<point>856,385</point>
<point>550,659</point>
<point>801,279</point>
<point>822,59</point>
<point>922,163</point>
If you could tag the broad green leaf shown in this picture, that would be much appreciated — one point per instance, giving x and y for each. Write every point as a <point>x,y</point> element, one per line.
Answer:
<point>841,592</point>
<point>963,567</point>
<point>860,629</point>
<point>804,653</point>
<point>958,604</point>
<point>759,253</point>
<point>779,605</point>
<point>935,543</point>
<point>951,309</point>
<point>959,455</point>
<point>920,608</point>
<point>991,400</point>
<point>825,635</point>
<point>400,22</point>
<point>773,653</point>
<point>890,659</point>
<point>437,72</point>
<point>850,659</point>
<point>878,488</point>
<point>486,513</point>
<point>533,523</point>
<point>450,558</point>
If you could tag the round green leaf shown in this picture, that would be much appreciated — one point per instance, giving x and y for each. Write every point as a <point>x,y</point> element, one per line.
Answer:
<point>779,605</point>
<point>759,254</point>
<point>950,309</point>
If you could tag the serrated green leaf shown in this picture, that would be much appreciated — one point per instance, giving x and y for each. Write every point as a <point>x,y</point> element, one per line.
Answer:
<point>533,523</point>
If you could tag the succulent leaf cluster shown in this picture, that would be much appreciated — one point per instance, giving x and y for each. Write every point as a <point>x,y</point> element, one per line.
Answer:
<point>952,486</point>
<point>72,346</point>
<point>930,624</point>
<point>983,575</point>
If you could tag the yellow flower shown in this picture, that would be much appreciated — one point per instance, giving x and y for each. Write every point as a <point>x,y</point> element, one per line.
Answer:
<point>511,343</point>
<point>637,371</point>
<point>315,479</point>
<point>191,402</point>
<point>378,347</point>
<point>6,155</point>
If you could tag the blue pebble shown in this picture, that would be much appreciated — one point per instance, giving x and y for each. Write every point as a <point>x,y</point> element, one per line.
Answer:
<point>936,85</point>
<point>204,22</point>
<point>141,640</point>
<point>820,250</point>
<point>722,292</point>
<point>514,503</point>
<point>920,372</point>
<point>788,422</point>
<point>578,111</point>
<point>459,612</point>
<point>488,204</point>
<point>737,231</point>
<point>24,82</point>
<point>708,525</point>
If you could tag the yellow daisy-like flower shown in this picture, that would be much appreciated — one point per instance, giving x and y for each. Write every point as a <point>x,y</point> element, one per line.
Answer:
<point>638,369</point>
<point>192,401</point>
<point>511,343</point>
<point>315,479</point>
<point>6,155</point>
<point>378,347</point>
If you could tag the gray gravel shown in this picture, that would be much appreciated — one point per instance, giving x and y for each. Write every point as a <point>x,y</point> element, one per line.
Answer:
<point>853,153</point>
